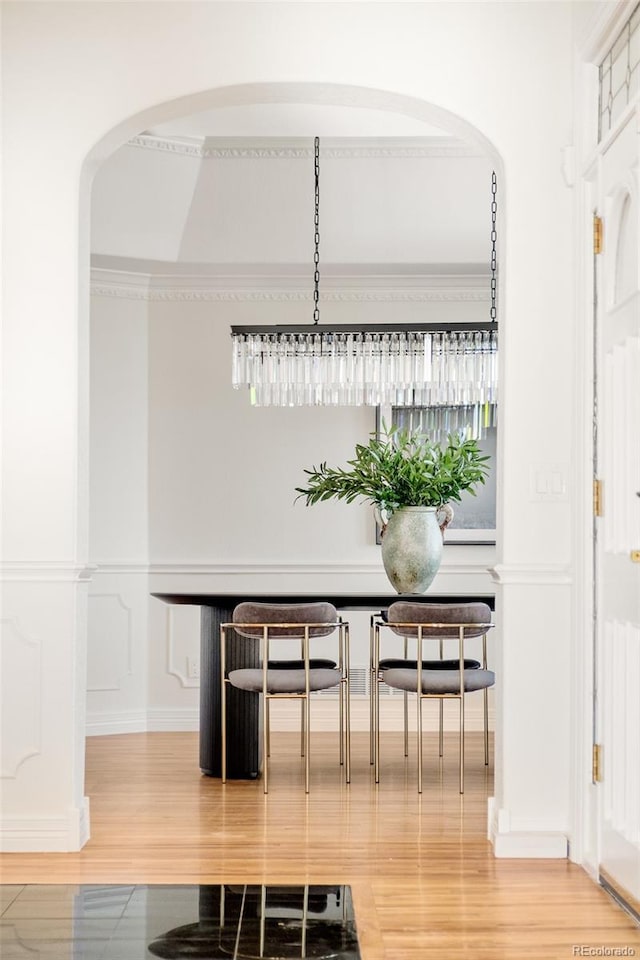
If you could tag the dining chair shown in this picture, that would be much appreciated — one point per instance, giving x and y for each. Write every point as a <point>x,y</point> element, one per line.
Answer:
<point>287,678</point>
<point>376,677</point>
<point>428,621</point>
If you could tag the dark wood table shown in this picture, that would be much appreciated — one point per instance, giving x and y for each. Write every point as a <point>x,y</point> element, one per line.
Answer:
<point>243,714</point>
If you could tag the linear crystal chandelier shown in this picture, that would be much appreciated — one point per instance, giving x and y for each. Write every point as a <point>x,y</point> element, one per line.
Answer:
<point>440,366</point>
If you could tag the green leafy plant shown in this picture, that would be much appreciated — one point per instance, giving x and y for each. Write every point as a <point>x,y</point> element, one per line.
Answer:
<point>401,469</point>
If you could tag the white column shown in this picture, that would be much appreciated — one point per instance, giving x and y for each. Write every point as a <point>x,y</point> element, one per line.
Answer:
<point>44,481</point>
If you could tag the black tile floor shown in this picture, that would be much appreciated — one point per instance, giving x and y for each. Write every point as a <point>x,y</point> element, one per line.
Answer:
<point>114,922</point>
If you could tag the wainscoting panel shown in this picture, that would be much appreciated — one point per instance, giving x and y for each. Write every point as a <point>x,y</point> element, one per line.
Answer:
<point>117,652</point>
<point>21,699</point>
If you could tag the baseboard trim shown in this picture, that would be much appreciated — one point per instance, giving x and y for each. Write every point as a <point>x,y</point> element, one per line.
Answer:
<point>106,724</point>
<point>531,846</point>
<point>173,721</point>
<point>46,834</point>
<point>285,717</point>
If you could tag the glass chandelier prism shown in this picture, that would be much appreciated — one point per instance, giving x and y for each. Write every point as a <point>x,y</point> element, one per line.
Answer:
<point>441,366</point>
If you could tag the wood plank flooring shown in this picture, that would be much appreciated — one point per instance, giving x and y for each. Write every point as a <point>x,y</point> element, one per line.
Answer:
<point>425,883</point>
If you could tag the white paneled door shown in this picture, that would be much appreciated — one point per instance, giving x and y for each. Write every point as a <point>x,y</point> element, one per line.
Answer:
<point>618,527</point>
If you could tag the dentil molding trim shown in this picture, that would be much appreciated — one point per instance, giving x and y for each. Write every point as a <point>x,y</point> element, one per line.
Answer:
<point>301,148</point>
<point>287,283</point>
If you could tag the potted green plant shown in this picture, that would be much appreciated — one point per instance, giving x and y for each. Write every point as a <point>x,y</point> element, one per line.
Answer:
<point>409,479</point>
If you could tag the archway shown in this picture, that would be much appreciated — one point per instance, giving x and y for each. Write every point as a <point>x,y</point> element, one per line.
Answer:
<point>304,94</point>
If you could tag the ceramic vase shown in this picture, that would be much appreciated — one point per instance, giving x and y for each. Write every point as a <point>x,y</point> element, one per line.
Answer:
<point>412,548</point>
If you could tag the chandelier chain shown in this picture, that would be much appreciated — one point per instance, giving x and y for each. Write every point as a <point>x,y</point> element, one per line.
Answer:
<point>493,313</point>
<point>316,235</point>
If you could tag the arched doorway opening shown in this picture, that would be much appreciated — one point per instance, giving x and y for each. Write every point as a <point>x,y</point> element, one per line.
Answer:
<point>123,696</point>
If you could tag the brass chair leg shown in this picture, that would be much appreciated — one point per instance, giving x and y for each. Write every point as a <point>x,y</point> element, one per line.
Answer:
<point>377,704</point>
<point>486,702</point>
<point>462,742</point>
<point>461,666</point>
<point>406,710</point>
<point>441,713</point>
<point>347,692</point>
<point>419,696</point>
<point>263,919</point>
<point>265,709</point>
<point>307,757</point>
<point>302,730</point>
<point>223,704</point>
<point>307,713</point>
<point>341,733</point>
<point>372,681</point>
<point>405,697</point>
<point>341,703</point>
<point>486,726</point>
<point>268,728</point>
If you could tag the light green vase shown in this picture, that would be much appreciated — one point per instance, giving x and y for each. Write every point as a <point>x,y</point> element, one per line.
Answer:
<point>412,548</point>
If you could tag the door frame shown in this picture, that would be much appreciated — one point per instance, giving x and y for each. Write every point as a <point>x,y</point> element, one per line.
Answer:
<point>585,829</point>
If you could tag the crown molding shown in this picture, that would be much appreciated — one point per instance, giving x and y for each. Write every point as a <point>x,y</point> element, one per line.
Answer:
<point>299,148</point>
<point>289,283</point>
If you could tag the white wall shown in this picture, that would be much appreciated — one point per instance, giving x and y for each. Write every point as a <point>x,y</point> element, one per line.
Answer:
<point>220,483</point>
<point>505,69</point>
<point>119,518</point>
<point>387,199</point>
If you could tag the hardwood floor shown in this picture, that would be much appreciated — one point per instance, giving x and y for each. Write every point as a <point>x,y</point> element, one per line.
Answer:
<point>424,881</point>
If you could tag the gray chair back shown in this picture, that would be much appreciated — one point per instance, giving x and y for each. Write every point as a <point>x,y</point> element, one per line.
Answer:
<point>415,612</point>
<point>289,613</point>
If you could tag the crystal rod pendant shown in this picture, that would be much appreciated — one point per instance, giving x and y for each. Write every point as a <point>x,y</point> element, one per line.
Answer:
<point>404,368</point>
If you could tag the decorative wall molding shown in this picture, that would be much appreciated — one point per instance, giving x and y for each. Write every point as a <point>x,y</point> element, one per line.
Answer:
<point>301,148</point>
<point>559,574</point>
<point>172,668</point>
<point>289,284</point>
<point>126,638</point>
<point>25,740</point>
<point>302,569</point>
<point>36,571</point>
<point>106,567</point>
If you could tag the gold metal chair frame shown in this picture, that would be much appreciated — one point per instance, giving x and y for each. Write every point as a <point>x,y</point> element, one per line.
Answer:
<point>303,696</point>
<point>377,677</point>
